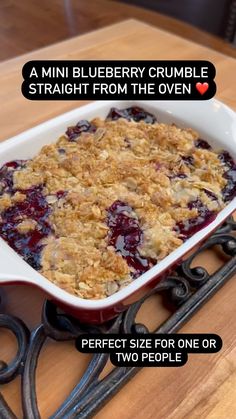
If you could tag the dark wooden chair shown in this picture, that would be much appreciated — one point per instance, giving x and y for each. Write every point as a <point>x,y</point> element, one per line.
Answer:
<point>215,16</point>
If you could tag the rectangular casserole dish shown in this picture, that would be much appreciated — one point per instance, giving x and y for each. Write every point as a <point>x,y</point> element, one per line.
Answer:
<point>213,120</point>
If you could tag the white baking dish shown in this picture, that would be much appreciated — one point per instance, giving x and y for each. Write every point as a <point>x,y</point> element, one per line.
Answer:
<point>212,119</point>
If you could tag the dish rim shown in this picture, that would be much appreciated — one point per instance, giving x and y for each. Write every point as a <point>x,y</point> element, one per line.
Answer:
<point>65,297</point>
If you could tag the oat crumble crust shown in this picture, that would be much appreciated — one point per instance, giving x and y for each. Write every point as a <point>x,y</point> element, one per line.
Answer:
<point>133,162</point>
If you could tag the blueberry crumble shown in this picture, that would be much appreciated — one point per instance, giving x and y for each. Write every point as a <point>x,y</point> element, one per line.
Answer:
<point>112,198</point>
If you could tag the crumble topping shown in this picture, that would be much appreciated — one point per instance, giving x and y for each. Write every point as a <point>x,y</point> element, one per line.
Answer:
<point>110,199</point>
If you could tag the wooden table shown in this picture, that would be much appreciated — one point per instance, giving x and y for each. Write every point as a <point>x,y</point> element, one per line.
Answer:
<point>206,386</point>
<point>64,19</point>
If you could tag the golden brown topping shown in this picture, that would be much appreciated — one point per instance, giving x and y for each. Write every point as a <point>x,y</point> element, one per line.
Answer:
<point>154,168</point>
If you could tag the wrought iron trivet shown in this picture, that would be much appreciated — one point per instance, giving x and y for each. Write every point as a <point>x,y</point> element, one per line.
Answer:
<point>188,289</point>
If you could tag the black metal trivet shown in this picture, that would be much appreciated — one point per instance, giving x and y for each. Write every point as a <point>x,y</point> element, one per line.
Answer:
<point>187,288</point>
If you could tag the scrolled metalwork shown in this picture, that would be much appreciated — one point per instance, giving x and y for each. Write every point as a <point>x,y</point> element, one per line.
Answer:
<point>8,371</point>
<point>187,289</point>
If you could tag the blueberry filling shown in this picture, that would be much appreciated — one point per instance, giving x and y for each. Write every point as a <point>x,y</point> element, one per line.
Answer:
<point>226,159</point>
<point>61,194</point>
<point>28,245</point>
<point>126,235</point>
<point>199,143</point>
<point>178,176</point>
<point>135,113</point>
<point>6,175</point>
<point>127,143</point>
<point>158,165</point>
<point>188,160</point>
<point>229,191</point>
<point>210,194</point>
<point>188,227</point>
<point>81,126</point>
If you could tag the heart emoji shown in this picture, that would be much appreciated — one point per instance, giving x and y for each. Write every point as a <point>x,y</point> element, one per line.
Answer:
<point>202,87</point>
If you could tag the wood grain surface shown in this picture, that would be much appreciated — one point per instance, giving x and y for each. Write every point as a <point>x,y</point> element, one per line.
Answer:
<point>55,20</point>
<point>206,386</point>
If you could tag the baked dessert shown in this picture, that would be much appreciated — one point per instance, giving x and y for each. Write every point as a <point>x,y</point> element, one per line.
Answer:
<point>111,198</point>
